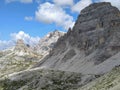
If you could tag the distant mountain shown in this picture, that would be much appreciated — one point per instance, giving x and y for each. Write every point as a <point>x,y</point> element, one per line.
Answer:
<point>18,58</point>
<point>87,57</point>
<point>46,43</point>
<point>21,49</point>
<point>23,56</point>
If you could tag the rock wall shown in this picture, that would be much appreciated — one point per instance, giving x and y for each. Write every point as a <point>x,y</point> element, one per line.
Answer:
<point>94,39</point>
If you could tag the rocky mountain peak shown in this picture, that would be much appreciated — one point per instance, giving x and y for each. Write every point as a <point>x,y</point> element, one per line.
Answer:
<point>47,43</point>
<point>93,40</point>
<point>97,15</point>
<point>54,34</point>
<point>94,6</point>
<point>87,57</point>
<point>20,43</point>
<point>22,49</point>
<point>23,56</point>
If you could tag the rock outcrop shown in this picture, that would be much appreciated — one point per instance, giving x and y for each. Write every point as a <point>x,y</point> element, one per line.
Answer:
<point>46,43</point>
<point>89,46</point>
<point>22,49</point>
<point>20,57</point>
<point>87,57</point>
<point>23,56</point>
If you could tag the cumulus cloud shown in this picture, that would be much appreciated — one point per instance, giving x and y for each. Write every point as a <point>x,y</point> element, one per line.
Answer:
<point>26,37</point>
<point>20,35</point>
<point>21,1</point>
<point>113,2</point>
<point>51,13</point>
<point>6,44</point>
<point>81,5</point>
<point>63,2</point>
<point>28,18</point>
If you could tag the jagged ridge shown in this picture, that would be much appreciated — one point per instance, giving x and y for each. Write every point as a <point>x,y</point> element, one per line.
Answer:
<point>92,42</point>
<point>91,48</point>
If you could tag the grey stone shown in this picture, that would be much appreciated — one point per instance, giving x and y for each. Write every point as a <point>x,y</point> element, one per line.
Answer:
<point>95,38</point>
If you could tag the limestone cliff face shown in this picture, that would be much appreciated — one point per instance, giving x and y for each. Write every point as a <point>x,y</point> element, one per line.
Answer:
<point>46,43</point>
<point>91,44</point>
<point>22,49</point>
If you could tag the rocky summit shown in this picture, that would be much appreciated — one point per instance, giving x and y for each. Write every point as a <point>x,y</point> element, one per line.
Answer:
<point>87,57</point>
<point>23,56</point>
<point>18,58</point>
<point>21,49</point>
<point>46,43</point>
<point>90,46</point>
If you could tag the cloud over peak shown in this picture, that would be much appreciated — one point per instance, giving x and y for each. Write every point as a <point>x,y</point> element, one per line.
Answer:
<point>81,5</point>
<point>51,13</point>
<point>26,37</point>
<point>63,2</point>
<point>55,11</point>
<point>20,35</point>
<point>115,3</point>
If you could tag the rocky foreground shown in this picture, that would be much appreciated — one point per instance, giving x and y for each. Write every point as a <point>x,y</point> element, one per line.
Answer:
<point>86,58</point>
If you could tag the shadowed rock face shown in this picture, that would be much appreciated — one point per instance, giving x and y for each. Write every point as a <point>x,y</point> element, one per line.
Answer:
<point>94,39</point>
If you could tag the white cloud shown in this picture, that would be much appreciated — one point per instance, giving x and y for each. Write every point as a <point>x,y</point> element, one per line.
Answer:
<point>20,35</point>
<point>28,18</point>
<point>50,13</point>
<point>81,5</point>
<point>6,44</point>
<point>113,2</point>
<point>21,1</point>
<point>63,2</point>
<point>26,37</point>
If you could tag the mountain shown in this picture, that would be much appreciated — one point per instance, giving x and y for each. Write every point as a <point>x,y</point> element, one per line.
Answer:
<point>18,58</point>
<point>46,44</point>
<point>22,56</point>
<point>87,57</point>
<point>21,49</point>
<point>89,47</point>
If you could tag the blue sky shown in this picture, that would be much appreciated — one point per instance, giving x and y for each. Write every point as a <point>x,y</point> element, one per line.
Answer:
<point>20,19</point>
<point>12,19</point>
